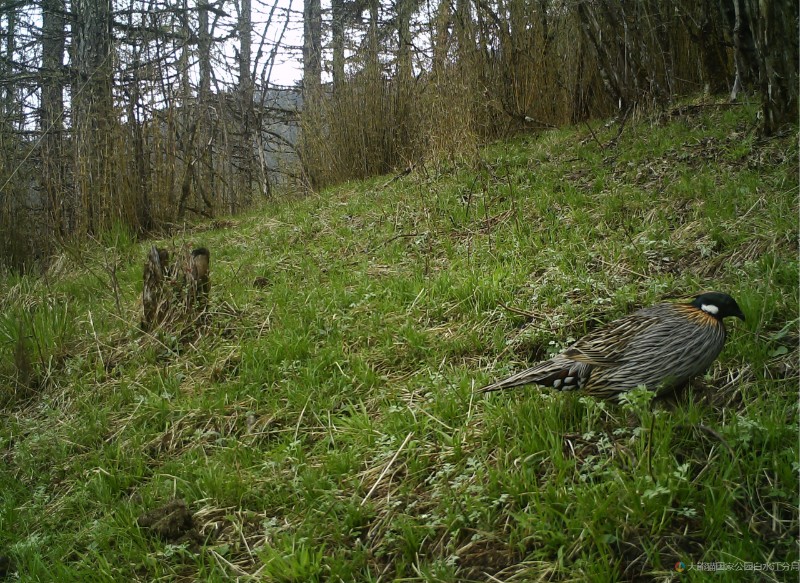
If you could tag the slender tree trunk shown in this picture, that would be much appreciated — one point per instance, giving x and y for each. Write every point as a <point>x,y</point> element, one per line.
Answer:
<point>9,98</point>
<point>312,48</point>
<point>774,28</point>
<point>404,67</point>
<point>187,117</point>
<point>745,54</point>
<point>373,50</point>
<point>245,46</point>
<point>403,128</point>
<point>441,37</point>
<point>204,47</point>
<point>205,182</point>
<point>246,100</point>
<point>337,40</point>
<point>144,211</point>
<point>93,116</point>
<point>312,82</point>
<point>52,112</point>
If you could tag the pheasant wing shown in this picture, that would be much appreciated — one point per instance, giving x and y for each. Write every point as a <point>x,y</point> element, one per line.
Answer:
<point>572,368</point>
<point>607,346</point>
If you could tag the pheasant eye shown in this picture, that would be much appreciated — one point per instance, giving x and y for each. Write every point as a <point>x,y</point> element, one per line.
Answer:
<point>710,308</point>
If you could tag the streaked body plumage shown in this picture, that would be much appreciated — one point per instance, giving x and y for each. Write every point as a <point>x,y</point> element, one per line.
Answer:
<point>661,347</point>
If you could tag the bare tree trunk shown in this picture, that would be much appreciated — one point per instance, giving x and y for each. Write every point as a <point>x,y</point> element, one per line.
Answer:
<point>373,50</point>
<point>140,181</point>
<point>144,211</point>
<point>312,47</point>
<point>404,40</point>
<point>93,115</point>
<point>245,46</point>
<point>441,37</point>
<point>205,182</point>
<point>9,98</point>
<point>745,55</point>
<point>403,129</point>
<point>52,112</point>
<point>246,100</point>
<point>312,81</point>
<point>204,47</point>
<point>774,27</point>
<point>337,34</point>
<point>187,118</point>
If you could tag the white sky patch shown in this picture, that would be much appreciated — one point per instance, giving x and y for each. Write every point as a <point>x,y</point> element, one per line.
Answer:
<point>288,67</point>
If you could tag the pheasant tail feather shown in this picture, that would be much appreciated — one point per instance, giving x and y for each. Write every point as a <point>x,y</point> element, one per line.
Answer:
<point>550,373</point>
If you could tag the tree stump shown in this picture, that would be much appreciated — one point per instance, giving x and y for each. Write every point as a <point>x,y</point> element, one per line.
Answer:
<point>175,292</point>
<point>155,303</point>
<point>199,283</point>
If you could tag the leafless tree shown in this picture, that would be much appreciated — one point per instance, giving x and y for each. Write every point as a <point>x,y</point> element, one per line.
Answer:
<point>51,120</point>
<point>172,113</point>
<point>92,207</point>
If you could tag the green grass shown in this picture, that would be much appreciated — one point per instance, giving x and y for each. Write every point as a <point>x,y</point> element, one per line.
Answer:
<point>323,427</point>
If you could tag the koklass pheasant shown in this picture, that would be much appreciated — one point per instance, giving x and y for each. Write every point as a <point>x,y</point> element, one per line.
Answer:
<point>661,347</point>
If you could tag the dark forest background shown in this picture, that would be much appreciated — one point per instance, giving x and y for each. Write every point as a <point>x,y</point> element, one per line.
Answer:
<point>145,115</point>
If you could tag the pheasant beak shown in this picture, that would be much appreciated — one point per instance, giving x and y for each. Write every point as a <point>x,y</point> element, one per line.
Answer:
<point>739,314</point>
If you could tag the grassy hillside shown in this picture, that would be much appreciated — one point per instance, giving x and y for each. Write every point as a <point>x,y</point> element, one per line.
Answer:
<point>323,426</point>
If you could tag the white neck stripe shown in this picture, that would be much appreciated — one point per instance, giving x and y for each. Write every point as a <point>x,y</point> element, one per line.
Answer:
<point>710,308</point>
